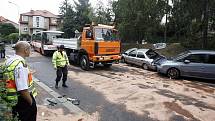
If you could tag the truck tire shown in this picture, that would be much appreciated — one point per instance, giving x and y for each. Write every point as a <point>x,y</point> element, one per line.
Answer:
<point>84,63</point>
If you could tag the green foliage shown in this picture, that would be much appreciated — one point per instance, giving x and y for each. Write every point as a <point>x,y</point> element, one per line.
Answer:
<point>75,17</point>
<point>188,22</point>
<point>13,37</point>
<point>5,107</point>
<point>6,29</point>
<point>138,20</point>
<point>103,15</point>
<point>83,12</point>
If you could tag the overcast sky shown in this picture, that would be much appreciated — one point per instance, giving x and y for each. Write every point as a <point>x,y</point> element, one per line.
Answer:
<point>10,11</point>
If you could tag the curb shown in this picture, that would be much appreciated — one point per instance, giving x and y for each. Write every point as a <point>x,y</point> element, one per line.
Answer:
<point>71,107</point>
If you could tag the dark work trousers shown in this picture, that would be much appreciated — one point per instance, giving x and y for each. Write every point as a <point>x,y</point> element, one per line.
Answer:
<point>24,110</point>
<point>2,53</point>
<point>62,71</point>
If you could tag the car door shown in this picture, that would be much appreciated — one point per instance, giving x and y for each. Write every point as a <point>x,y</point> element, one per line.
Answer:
<point>140,59</point>
<point>131,57</point>
<point>209,67</point>
<point>193,65</point>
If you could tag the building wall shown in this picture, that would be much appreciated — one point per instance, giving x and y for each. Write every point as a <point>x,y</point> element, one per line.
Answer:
<point>47,24</point>
<point>30,22</point>
<point>53,28</point>
<point>24,29</point>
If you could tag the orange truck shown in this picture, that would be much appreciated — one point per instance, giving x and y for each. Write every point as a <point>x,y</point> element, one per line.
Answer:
<point>98,44</point>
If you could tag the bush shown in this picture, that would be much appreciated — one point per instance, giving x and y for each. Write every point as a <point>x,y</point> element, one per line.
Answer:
<point>5,107</point>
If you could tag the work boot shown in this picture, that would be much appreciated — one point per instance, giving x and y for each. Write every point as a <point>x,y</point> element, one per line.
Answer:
<point>56,85</point>
<point>64,85</point>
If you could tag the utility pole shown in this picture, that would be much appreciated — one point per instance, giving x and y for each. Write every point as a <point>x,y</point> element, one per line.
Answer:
<point>18,9</point>
<point>205,24</point>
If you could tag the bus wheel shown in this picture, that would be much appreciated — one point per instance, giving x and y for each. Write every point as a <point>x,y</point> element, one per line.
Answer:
<point>84,62</point>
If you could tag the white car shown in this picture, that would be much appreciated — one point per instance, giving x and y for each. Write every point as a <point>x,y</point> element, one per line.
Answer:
<point>142,57</point>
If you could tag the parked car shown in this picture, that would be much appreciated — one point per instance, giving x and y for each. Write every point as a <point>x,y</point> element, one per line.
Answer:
<point>193,63</point>
<point>142,57</point>
<point>126,53</point>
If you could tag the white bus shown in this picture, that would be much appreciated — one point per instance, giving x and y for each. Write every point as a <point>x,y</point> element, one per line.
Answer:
<point>43,41</point>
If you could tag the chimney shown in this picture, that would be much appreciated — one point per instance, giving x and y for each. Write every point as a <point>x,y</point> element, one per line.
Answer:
<point>32,11</point>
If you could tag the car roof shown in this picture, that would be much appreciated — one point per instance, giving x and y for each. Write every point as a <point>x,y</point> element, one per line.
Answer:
<point>202,51</point>
<point>143,50</point>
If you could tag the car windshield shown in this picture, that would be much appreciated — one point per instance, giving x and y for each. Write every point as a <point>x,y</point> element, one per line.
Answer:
<point>104,34</point>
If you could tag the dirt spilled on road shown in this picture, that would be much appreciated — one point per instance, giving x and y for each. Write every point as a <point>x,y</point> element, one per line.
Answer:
<point>201,87</point>
<point>142,91</point>
<point>178,109</point>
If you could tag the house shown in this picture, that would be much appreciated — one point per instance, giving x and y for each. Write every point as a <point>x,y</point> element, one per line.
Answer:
<point>39,20</point>
<point>4,20</point>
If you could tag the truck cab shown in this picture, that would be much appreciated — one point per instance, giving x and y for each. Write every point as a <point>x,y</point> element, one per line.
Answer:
<point>99,44</point>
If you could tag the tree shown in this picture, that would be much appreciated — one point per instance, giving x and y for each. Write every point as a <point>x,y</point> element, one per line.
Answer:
<point>6,29</point>
<point>102,14</point>
<point>69,19</point>
<point>75,17</point>
<point>13,37</point>
<point>138,19</point>
<point>83,13</point>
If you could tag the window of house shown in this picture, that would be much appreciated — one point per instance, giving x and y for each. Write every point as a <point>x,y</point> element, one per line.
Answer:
<point>25,29</point>
<point>24,18</point>
<point>38,24</point>
<point>37,18</point>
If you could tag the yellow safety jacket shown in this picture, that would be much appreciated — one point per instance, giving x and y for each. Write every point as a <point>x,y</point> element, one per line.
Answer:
<point>60,60</point>
<point>9,77</point>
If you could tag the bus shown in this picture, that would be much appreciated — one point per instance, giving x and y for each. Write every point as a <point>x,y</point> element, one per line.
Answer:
<point>42,42</point>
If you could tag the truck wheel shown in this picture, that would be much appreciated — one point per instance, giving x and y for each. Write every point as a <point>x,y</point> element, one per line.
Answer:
<point>84,63</point>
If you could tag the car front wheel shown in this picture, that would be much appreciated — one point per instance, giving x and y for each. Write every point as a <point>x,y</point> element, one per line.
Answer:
<point>145,66</point>
<point>173,73</point>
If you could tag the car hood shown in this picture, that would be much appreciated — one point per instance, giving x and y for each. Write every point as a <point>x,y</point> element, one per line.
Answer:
<point>159,60</point>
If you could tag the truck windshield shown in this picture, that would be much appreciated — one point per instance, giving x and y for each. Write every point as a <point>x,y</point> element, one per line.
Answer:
<point>104,34</point>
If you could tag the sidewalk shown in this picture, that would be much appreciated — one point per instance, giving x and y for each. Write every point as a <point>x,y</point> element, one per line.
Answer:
<point>52,108</point>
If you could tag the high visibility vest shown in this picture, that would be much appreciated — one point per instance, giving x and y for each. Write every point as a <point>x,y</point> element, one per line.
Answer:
<point>9,77</point>
<point>60,60</point>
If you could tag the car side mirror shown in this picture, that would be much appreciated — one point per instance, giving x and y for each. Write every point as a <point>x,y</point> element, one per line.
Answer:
<point>186,61</point>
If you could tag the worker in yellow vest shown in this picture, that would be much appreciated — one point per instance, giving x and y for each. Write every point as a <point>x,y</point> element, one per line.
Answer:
<point>19,84</point>
<point>60,61</point>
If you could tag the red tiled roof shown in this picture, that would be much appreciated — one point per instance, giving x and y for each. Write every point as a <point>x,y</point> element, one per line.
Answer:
<point>2,19</point>
<point>43,13</point>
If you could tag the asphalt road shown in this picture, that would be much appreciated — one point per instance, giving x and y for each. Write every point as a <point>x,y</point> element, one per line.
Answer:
<point>91,100</point>
<point>96,91</point>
